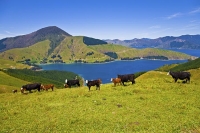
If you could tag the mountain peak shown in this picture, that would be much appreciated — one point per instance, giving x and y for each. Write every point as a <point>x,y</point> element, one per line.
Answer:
<point>52,30</point>
<point>51,33</point>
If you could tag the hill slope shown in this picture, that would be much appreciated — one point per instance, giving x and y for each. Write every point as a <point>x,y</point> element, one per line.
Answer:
<point>151,105</point>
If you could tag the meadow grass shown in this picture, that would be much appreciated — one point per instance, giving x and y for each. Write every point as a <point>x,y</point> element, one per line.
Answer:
<point>154,104</point>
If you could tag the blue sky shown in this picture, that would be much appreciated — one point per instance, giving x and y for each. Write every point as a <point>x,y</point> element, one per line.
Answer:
<point>102,19</point>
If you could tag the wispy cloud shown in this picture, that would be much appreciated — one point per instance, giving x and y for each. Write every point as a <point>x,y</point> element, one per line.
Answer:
<point>195,11</point>
<point>155,27</point>
<point>174,16</point>
<point>10,33</point>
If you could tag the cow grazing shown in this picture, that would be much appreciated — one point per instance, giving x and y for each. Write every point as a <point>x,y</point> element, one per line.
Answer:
<point>180,75</point>
<point>14,91</point>
<point>46,87</point>
<point>73,82</point>
<point>116,81</point>
<point>96,83</point>
<point>29,87</point>
<point>126,78</point>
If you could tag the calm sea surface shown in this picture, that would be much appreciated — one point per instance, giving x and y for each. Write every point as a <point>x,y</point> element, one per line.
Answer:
<point>106,71</point>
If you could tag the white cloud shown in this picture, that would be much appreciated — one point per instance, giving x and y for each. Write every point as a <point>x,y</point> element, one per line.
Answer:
<point>174,15</point>
<point>195,11</point>
<point>8,32</point>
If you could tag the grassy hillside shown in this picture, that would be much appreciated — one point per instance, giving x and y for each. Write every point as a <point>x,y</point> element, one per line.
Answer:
<point>73,49</point>
<point>34,53</point>
<point>8,83</point>
<point>181,67</point>
<point>151,105</point>
<point>126,52</point>
<point>80,49</point>
<point>12,64</point>
<point>15,78</point>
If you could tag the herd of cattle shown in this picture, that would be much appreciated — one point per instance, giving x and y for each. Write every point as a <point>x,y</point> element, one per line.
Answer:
<point>121,79</point>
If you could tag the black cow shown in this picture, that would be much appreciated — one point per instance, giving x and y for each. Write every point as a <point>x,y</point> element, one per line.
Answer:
<point>126,78</point>
<point>69,83</point>
<point>180,75</point>
<point>96,83</point>
<point>29,87</point>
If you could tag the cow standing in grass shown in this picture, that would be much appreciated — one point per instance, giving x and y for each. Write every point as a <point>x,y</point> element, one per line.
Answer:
<point>180,75</point>
<point>29,87</point>
<point>96,83</point>
<point>48,86</point>
<point>126,78</point>
<point>70,83</point>
<point>116,81</point>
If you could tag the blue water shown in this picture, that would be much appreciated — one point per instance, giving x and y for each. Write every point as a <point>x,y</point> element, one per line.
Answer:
<point>106,71</point>
<point>193,52</point>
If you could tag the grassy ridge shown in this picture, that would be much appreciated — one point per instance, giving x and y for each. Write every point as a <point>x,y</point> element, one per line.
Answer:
<point>80,48</point>
<point>35,53</point>
<point>124,52</point>
<point>11,64</point>
<point>194,64</point>
<point>151,105</point>
<point>14,77</point>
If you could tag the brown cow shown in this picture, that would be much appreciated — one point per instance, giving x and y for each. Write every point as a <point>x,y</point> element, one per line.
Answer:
<point>48,86</point>
<point>116,81</point>
<point>14,91</point>
<point>96,83</point>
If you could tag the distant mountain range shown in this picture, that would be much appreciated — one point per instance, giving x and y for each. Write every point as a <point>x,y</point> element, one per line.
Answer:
<point>181,42</point>
<point>54,45</point>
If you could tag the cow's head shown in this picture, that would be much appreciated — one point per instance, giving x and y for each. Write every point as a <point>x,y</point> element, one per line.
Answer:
<point>100,82</point>
<point>65,85</point>
<point>23,89</point>
<point>42,87</point>
<point>86,81</point>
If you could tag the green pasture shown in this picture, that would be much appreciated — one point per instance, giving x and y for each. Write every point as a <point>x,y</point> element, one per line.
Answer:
<point>155,104</point>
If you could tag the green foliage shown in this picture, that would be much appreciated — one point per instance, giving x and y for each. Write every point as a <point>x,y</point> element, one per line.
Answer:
<point>156,57</point>
<point>194,64</point>
<point>112,55</point>
<point>45,77</point>
<point>188,65</point>
<point>92,41</point>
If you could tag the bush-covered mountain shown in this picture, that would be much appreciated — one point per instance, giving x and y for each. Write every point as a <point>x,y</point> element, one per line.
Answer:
<point>53,45</point>
<point>184,41</point>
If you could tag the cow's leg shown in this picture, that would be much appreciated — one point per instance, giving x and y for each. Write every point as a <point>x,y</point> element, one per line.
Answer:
<point>175,80</point>
<point>79,85</point>
<point>188,79</point>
